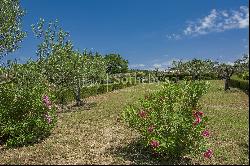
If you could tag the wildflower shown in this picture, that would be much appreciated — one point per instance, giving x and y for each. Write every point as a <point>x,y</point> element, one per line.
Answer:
<point>197,120</point>
<point>198,113</point>
<point>150,129</point>
<point>142,114</point>
<point>154,143</point>
<point>46,101</point>
<point>205,133</point>
<point>208,153</point>
<point>48,118</point>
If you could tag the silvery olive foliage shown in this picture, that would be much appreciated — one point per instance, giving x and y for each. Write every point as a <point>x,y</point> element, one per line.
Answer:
<point>195,67</point>
<point>242,67</point>
<point>11,33</point>
<point>63,66</point>
<point>116,64</point>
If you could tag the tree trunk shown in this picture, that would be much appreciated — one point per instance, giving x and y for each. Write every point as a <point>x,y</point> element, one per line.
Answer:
<point>226,84</point>
<point>177,79</point>
<point>193,77</point>
<point>62,101</point>
<point>78,96</point>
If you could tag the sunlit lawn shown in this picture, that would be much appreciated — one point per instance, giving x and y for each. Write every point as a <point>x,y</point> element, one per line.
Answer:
<point>98,136</point>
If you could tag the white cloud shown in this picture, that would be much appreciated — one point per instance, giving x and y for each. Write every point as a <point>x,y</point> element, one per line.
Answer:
<point>137,66</point>
<point>157,65</point>
<point>230,63</point>
<point>173,36</point>
<point>219,21</point>
<point>164,65</point>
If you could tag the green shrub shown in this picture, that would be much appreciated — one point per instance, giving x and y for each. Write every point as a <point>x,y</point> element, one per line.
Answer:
<point>209,76</point>
<point>169,120</point>
<point>188,78</point>
<point>91,91</point>
<point>236,82</point>
<point>24,117</point>
<point>244,75</point>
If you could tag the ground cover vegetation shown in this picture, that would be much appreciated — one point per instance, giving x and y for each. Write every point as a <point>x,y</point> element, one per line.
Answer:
<point>182,115</point>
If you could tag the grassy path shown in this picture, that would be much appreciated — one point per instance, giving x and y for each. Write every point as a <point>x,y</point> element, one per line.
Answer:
<point>97,136</point>
<point>83,136</point>
<point>229,122</point>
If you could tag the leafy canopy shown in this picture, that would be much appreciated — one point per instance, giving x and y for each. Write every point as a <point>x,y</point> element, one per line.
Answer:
<point>11,33</point>
<point>116,64</point>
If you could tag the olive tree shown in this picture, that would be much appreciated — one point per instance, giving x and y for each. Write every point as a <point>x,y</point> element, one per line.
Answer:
<point>87,68</point>
<point>225,71</point>
<point>11,33</point>
<point>242,66</point>
<point>63,66</point>
<point>195,67</point>
<point>55,54</point>
<point>116,64</point>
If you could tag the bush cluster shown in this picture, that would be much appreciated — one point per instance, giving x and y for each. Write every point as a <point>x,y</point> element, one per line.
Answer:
<point>95,90</point>
<point>239,83</point>
<point>27,111</point>
<point>27,103</point>
<point>244,75</point>
<point>27,115</point>
<point>170,120</point>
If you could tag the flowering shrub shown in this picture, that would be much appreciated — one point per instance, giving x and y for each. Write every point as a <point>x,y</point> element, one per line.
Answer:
<point>27,113</point>
<point>25,116</point>
<point>170,121</point>
<point>208,153</point>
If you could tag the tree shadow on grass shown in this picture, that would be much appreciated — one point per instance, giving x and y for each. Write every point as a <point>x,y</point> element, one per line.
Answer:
<point>138,154</point>
<point>73,107</point>
<point>236,90</point>
<point>32,142</point>
<point>244,147</point>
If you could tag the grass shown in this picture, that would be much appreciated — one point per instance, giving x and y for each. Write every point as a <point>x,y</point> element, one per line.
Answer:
<point>229,118</point>
<point>98,136</point>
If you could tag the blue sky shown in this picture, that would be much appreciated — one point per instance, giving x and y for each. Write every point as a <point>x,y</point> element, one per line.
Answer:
<point>148,33</point>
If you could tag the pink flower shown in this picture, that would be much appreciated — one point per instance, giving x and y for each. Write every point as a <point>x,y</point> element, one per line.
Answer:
<point>142,114</point>
<point>208,153</point>
<point>150,129</point>
<point>154,143</point>
<point>46,101</point>
<point>48,118</point>
<point>197,120</point>
<point>198,113</point>
<point>205,133</point>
